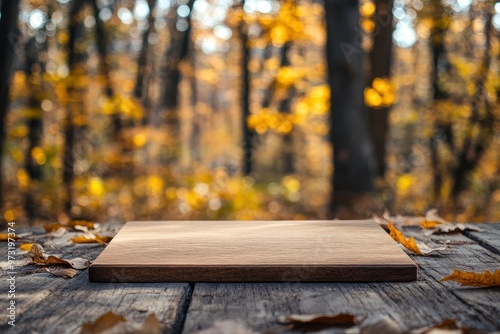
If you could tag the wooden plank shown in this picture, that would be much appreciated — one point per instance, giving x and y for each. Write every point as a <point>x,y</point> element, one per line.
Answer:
<point>489,239</point>
<point>412,304</point>
<point>231,251</point>
<point>49,304</point>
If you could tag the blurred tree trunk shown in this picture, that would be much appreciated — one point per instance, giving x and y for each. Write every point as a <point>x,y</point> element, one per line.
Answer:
<point>102,43</point>
<point>72,108</point>
<point>482,117</point>
<point>353,157</point>
<point>34,120</point>
<point>381,61</point>
<point>8,41</point>
<point>285,105</point>
<point>141,88</point>
<point>247,133</point>
<point>176,52</point>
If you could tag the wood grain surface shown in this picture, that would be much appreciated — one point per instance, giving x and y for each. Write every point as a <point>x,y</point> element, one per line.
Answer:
<point>255,251</point>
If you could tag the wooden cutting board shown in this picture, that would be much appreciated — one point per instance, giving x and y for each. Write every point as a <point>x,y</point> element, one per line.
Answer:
<point>252,251</point>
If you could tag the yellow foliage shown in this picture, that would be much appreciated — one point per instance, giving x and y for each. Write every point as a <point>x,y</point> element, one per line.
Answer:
<point>381,94</point>
<point>367,9</point>
<point>140,139</point>
<point>474,279</point>
<point>96,186</point>
<point>400,237</point>
<point>23,178</point>
<point>9,215</point>
<point>39,156</point>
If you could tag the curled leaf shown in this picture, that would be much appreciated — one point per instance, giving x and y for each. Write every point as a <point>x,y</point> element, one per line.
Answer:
<point>111,323</point>
<point>104,323</point>
<point>454,228</point>
<point>428,224</point>
<point>64,273</point>
<point>91,238</point>
<point>467,278</point>
<point>410,243</point>
<point>432,216</point>
<point>39,257</point>
<point>55,226</point>
<point>448,326</point>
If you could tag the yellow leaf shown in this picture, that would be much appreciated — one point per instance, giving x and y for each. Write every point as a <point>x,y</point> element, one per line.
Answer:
<point>114,323</point>
<point>400,237</point>
<point>468,278</point>
<point>26,247</point>
<point>410,243</point>
<point>92,238</point>
<point>428,224</point>
<point>5,237</point>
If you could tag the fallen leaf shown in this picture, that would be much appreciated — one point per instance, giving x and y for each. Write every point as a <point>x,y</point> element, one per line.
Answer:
<point>449,326</point>
<point>39,257</point>
<point>341,319</point>
<point>110,323</point>
<point>91,238</point>
<point>55,226</point>
<point>227,327</point>
<point>432,216</point>
<point>467,278</point>
<point>376,325</point>
<point>59,232</point>
<point>382,222</point>
<point>26,247</point>
<point>453,228</point>
<point>64,273</point>
<point>428,224</point>
<point>105,322</point>
<point>5,237</point>
<point>410,243</point>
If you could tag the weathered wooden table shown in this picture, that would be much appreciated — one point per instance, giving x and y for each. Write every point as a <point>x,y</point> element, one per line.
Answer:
<point>49,304</point>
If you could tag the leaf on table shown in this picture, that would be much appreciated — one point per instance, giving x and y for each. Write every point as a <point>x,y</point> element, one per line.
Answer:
<point>59,232</point>
<point>341,319</point>
<point>5,237</point>
<point>26,247</point>
<point>428,224</point>
<point>91,238</point>
<point>39,257</point>
<point>110,323</point>
<point>55,226</point>
<point>104,323</point>
<point>449,326</point>
<point>454,228</point>
<point>410,243</point>
<point>468,278</point>
<point>432,216</point>
<point>227,327</point>
<point>64,273</point>
<point>382,222</point>
<point>376,325</point>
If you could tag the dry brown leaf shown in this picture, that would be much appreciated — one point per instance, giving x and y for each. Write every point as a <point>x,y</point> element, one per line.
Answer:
<point>105,322</point>
<point>376,325</point>
<point>55,226</point>
<point>59,232</point>
<point>449,326</point>
<point>431,215</point>
<point>39,257</point>
<point>410,243</point>
<point>454,228</point>
<point>64,273</point>
<point>468,278</point>
<point>111,323</point>
<point>26,247</point>
<point>91,238</point>
<point>5,237</point>
<point>227,327</point>
<point>341,319</point>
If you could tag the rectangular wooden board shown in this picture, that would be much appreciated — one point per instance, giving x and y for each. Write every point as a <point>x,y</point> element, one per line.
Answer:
<point>252,251</point>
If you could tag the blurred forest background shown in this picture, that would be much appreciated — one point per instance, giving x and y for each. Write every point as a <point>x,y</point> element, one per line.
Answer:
<point>220,109</point>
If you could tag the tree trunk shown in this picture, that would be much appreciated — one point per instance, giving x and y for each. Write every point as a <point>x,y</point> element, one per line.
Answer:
<point>353,158</point>
<point>74,64</point>
<point>8,41</point>
<point>247,133</point>
<point>381,61</point>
